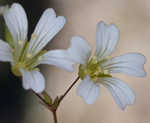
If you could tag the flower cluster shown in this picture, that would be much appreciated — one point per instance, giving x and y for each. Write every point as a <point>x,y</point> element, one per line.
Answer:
<point>94,71</point>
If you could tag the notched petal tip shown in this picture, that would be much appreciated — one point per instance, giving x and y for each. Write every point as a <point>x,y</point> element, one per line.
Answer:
<point>141,60</point>
<point>50,11</point>
<point>46,29</point>
<point>60,21</point>
<point>107,36</point>
<point>113,27</point>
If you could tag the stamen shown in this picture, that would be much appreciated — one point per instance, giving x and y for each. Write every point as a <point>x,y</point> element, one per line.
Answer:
<point>29,55</point>
<point>40,58</point>
<point>107,57</point>
<point>93,69</point>
<point>20,42</point>
<point>30,63</point>
<point>33,36</point>
<point>106,72</point>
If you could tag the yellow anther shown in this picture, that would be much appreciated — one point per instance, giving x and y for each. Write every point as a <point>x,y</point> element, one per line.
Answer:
<point>107,57</point>
<point>20,42</point>
<point>33,36</point>
<point>36,69</point>
<point>93,69</point>
<point>15,70</point>
<point>94,60</point>
<point>82,72</point>
<point>106,72</point>
<point>40,58</point>
<point>29,55</point>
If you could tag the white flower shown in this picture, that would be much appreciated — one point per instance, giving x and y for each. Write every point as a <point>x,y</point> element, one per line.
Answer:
<point>24,56</point>
<point>96,70</point>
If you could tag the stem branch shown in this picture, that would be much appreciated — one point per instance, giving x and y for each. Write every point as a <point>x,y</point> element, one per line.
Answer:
<point>67,91</point>
<point>41,98</point>
<point>52,107</point>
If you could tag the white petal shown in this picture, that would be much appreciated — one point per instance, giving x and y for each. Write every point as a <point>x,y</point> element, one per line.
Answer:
<point>123,95</point>
<point>106,39</point>
<point>79,50</point>
<point>48,26</point>
<point>88,90</point>
<point>33,80</point>
<point>16,21</point>
<point>131,64</point>
<point>5,52</point>
<point>59,58</point>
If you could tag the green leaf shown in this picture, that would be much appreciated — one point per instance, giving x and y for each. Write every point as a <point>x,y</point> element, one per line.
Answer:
<point>8,37</point>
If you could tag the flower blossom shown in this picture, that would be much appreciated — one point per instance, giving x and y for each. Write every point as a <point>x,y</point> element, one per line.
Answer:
<point>25,56</point>
<point>97,70</point>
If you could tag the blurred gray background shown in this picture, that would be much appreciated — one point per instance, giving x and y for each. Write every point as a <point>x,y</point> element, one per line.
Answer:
<point>132,18</point>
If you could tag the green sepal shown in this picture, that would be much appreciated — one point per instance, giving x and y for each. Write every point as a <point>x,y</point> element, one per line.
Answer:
<point>56,102</point>
<point>104,75</point>
<point>8,37</point>
<point>81,72</point>
<point>23,51</point>
<point>47,98</point>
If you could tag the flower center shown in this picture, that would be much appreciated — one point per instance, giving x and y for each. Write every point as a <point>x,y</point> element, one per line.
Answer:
<point>93,69</point>
<point>25,60</point>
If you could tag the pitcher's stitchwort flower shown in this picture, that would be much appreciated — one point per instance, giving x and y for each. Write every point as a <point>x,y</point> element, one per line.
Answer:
<point>24,56</point>
<point>96,70</point>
